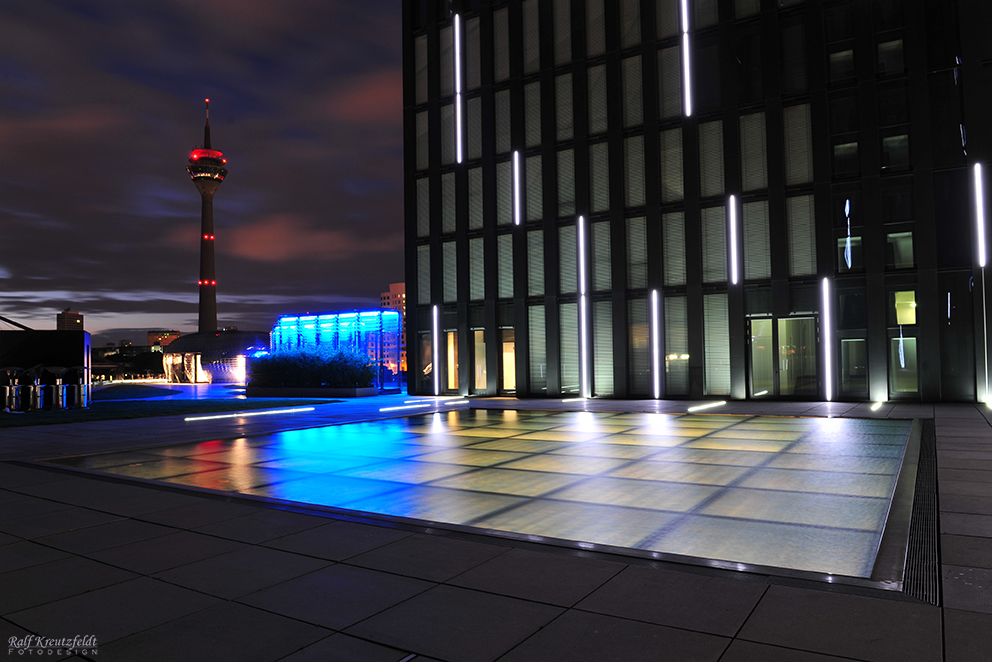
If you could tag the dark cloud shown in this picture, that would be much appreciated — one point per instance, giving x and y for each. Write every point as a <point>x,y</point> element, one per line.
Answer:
<point>100,103</point>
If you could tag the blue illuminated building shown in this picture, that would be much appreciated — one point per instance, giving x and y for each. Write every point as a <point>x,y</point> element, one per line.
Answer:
<point>375,333</point>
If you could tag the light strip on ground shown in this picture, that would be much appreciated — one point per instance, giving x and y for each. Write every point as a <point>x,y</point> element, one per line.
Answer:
<point>765,392</point>
<point>583,338</point>
<point>828,372</point>
<point>516,188</point>
<point>876,406</point>
<point>426,404</point>
<point>686,81</point>
<point>434,360</point>
<point>655,345</point>
<point>732,220</point>
<point>244,414</point>
<point>458,88</point>
<point>707,406</point>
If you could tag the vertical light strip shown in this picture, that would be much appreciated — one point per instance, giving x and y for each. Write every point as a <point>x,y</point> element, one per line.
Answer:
<point>828,372</point>
<point>583,313</point>
<point>686,80</point>
<point>655,345</point>
<point>732,219</point>
<point>980,214</point>
<point>437,349</point>
<point>458,88</point>
<point>516,188</point>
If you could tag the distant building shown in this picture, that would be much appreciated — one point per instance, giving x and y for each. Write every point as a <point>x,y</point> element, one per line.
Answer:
<point>395,299</point>
<point>161,337</point>
<point>68,320</point>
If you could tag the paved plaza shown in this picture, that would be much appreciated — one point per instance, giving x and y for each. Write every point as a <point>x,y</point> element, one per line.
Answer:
<point>158,570</point>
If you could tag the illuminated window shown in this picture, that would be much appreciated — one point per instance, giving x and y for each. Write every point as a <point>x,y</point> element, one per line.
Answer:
<point>902,308</point>
<point>899,250</point>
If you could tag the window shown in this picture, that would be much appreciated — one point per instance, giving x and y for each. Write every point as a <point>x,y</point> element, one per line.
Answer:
<point>563,31</point>
<point>895,151</point>
<point>567,260</point>
<point>447,48</point>
<point>633,167</point>
<point>532,114</point>
<point>798,147</point>
<point>504,257</point>
<point>899,250</point>
<point>448,202</point>
<point>503,122</point>
<point>475,198</point>
<point>534,189</point>
<point>667,15</point>
<point>902,308</point>
<point>676,346</point>
<point>850,255</point>
<point>447,134</point>
<point>538,354</point>
<point>704,13</point>
<point>422,141</point>
<point>706,77</point>
<point>473,55</point>
<point>846,158</point>
<point>595,28</point>
<point>504,193</point>
<point>639,354</point>
<point>599,177</point>
<point>477,269</point>
<point>853,313</point>
<point>424,273</point>
<point>637,253</point>
<point>633,106</point>
<point>449,258</point>
<point>843,115</point>
<point>671,165</point>
<point>841,66</point>
<point>566,183</point>
<point>757,246</point>
<point>893,105</point>
<point>673,242</point>
<point>420,63</point>
<point>749,79</point>
<point>714,236</point>
<point>669,83</point>
<point>754,168</point>
<point>501,45</point>
<point>839,23</point>
<point>569,360</point>
<point>716,345</point>
<point>903,377</point>
<point>535,263</point>
<point>602,264</point>
<point>597,99</point>
<point>711,158</point>
<point>802,254</point>
<point>473,128</point>
<point>793,59</point>
<point>602,348</point>
<point>745,8</point>
<point>630,23</point>
<point>890,59</point>
<point>563,101</point>
<point>423,207</point>
<point>532,40</point>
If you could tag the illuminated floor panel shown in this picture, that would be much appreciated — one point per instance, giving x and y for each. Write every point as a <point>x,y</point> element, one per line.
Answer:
<point>804,494</point>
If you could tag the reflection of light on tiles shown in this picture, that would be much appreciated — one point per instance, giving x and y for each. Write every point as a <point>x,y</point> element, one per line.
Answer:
<point>707,406</point>
<point>249,413</point>
<point>876,406</point>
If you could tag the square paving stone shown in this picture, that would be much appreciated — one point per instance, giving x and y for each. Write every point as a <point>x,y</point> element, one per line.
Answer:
<point>966,551</point>
<point>555,579</point>
<point>336,596</point>
<point>262,525</point>
<point>229,631</point>
<point>967,635</point>
<point>28,506</point>
<point>57,521</point>
<point>969,589</point>
<point>678,599</point>
<point>342,648</point>
<point>157,554</point>
<point>25,554</point>
<point>457,624</point>
<point>241,572</point>
<point>583,637</point>
<point>964,524</point>
<point>104,536</point>
<point>435,558</point>
<point>864,628</point>
<point>204,511</point>
<point>965,488</point>
<point>748,651</point>
<point>956,503</point>
<point>338,540</point>
<point>115,611</point>
<point>39,584</point>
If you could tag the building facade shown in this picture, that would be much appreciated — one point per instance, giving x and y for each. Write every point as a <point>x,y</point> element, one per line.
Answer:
<point>69,320</point>
<point>697,198</point>
<point>395,299</point>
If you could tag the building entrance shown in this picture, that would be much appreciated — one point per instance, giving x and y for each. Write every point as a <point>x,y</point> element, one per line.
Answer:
<point>783,357</point>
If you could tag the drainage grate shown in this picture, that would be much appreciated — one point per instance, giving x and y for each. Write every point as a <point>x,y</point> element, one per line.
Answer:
<point>922,576</point>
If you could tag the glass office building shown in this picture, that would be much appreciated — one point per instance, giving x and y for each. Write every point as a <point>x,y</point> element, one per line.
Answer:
<point>694,198</point>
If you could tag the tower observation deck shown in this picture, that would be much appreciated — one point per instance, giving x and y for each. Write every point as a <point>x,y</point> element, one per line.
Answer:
<point>206,168</point>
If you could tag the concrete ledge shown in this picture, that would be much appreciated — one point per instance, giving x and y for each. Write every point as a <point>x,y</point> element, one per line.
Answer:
<point>309,392</point>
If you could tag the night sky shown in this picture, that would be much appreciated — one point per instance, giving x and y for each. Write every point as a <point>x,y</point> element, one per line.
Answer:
<point>100,104</point>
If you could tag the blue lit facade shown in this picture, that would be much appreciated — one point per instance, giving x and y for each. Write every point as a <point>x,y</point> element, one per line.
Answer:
<point>375,333</point>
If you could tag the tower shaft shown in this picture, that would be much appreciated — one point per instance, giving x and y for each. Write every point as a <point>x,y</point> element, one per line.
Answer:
<point>208,274</point>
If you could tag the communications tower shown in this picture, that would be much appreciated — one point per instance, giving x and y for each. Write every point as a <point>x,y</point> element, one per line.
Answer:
<point>206,168</point>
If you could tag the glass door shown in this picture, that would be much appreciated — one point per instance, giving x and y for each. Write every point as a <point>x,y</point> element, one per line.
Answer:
<point>783,356</point>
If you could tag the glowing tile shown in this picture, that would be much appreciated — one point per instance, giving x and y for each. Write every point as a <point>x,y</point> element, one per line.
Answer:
<point>802,508</point>
<point>678,472</point>
<point>326,490</point>
<point>404,471</point>
<point>519,445</point>
<point>436,504</point>
<point>670,431</point>
<point>508,481</point>
<point>598,449</point>
<point>654,441</point>
<point>852,448</point>
<point>822,481</point>
<point>319,465</point>
<point>846,463</point>
<point>450,439</point>
<point>779,435</point>
<point>568,464</point>
<point>476,458</point>
<point>552,435</point>
<point>164,468</point>
<point>782,545</point>
<point>638,493</point>
<point>594,428</point>
<point>738,444</point>
<point>605,525</point>
<point>490,432</point>
<point>705,456</point>
<point>237,478</point>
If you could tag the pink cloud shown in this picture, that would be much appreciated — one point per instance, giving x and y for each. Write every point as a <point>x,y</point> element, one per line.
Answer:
<point>377,98</point>
<point>287,237</point>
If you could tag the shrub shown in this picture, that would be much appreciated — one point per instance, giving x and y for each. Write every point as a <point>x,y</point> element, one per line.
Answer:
<point>312,369</point>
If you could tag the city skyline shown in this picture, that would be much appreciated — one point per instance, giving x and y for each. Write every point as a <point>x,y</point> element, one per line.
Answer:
<point>100,105</point>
